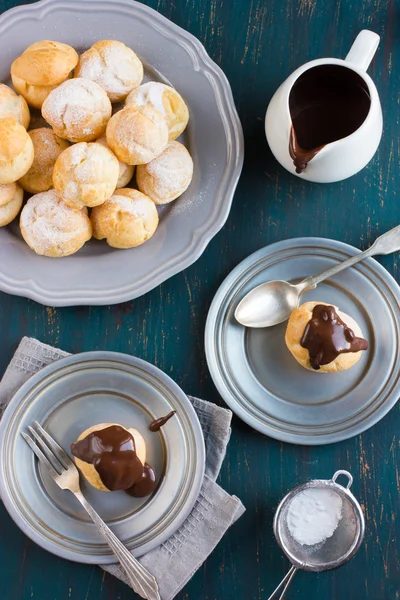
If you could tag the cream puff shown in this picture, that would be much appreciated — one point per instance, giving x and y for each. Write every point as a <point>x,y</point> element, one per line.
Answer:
<point>86,175</point>
<point>167,176</point>
<point>112,65</point>
<point>78,110</point>
<point>88,469</point>
<point>11,197</point>
<point>47,148</point>
<point>16,151</point>
<point>12,105</point>
<point>127,219</point>
<point>166,100</point>
<point>51,228</point>
<point>125,171</point>
<point>41,68</point>
<point>137,135</point>
<point>323,339</point>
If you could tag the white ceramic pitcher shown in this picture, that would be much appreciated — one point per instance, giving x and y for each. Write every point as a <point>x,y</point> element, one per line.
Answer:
<point>346,156</point>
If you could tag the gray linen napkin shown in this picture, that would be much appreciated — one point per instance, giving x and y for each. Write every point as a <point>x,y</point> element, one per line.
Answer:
<point>174,562</point>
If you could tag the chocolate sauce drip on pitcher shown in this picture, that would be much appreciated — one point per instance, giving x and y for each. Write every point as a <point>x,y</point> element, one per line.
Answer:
<point>326,336</point>
<point>326,103</point>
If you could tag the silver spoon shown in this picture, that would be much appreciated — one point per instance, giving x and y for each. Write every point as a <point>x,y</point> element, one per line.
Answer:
<point>272,302</point>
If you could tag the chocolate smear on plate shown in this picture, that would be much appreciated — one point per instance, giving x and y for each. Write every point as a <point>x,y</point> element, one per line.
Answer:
<point>157,423</point>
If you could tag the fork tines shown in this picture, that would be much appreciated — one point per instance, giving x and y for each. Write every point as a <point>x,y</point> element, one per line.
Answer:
<point>49,453</point>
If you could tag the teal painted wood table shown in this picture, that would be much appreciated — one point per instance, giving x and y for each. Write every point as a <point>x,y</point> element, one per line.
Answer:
<point>257,43</point>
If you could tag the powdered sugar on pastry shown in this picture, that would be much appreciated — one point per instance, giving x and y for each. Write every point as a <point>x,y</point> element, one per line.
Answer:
<point>168,175</point>
<point>125,171</point>
<point>71,102</point>
<point>166,100</point>
<point>78,110</point>
<point>173,167</point>
<point>112,65</point>
<point>51,228</point>
<point>151,92</point>
<point>86,174</point>
<point>139,207</point>
<point>127,219</point>
<point>47,147</point>
<point>136,135</point>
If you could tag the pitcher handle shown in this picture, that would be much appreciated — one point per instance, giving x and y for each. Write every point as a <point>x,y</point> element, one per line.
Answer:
<point>363,49</point>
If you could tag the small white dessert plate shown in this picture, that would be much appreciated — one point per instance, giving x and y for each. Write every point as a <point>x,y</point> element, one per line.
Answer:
<point>98,274</point>
<point>261,381</point>
<point>66,398</point>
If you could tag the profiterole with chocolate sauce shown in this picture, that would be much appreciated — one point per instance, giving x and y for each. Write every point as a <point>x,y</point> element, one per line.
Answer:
<point>112,457</point>
<point>323,339</point>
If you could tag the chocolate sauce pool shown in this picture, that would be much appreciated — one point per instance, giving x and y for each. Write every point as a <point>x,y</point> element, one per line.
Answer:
<point>326,336</point>
<point>326,103</point>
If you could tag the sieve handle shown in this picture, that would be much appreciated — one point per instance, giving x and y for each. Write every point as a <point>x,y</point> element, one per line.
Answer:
<point>286,581</point>
<point>346,474</point>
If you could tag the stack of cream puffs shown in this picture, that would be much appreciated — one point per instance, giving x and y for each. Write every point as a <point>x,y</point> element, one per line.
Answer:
<point>80,160</point>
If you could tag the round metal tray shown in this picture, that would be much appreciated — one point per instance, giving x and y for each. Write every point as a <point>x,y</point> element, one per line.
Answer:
<point>66,398</point>
<point>261,381</point>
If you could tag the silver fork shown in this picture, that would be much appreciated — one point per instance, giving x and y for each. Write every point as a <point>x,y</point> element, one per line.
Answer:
<point>66,475</point>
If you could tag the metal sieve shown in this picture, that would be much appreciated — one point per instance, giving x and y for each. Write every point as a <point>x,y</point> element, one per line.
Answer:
<point>334,551</point>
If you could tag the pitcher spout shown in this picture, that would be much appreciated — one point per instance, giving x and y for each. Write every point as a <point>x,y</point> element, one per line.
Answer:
<point>300,156</point>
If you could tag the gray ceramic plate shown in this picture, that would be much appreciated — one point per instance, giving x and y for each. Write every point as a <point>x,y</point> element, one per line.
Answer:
<point>66,398</point>
<point>261,381</point>
<point>99,274</point>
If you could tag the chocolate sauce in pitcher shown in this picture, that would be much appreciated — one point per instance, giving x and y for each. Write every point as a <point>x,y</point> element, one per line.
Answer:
<point>326,103</point>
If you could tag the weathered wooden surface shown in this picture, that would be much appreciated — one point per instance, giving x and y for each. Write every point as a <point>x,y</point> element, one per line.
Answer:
<point>257,43</point>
